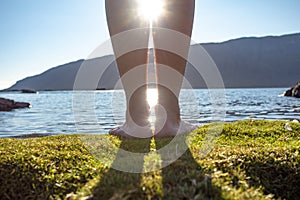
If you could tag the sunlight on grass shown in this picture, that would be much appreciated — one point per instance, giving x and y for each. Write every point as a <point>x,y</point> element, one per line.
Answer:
<point>151,182</point>
<point>250,160</point>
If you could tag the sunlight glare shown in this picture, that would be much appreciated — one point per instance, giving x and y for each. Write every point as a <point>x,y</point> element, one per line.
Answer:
<point>152,96</point>
<point>150,9</point>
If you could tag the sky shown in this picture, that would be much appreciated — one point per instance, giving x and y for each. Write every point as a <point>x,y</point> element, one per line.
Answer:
<point>37,35</point>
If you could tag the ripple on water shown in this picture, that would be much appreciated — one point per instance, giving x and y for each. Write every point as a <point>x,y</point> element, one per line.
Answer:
<point>52,112</point>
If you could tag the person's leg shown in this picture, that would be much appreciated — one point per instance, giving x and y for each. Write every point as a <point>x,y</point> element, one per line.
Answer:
<point>170,68</point>
<point>121,16</point>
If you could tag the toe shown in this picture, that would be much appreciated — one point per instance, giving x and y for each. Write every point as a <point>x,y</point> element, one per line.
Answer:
<point>113,131</point>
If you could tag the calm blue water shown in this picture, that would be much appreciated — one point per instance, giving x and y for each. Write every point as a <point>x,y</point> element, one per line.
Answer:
<point>65,112</point>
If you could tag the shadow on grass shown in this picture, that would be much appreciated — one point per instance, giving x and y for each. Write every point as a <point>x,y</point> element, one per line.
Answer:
<point>277,178</point>
<point>116,184</point>
<point>183,177</point>
<point>43,168</point>
<point>169,176</point>
<point>17,183</point>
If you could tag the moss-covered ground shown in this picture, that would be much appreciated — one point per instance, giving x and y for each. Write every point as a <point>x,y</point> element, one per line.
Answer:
<point>249,160</point>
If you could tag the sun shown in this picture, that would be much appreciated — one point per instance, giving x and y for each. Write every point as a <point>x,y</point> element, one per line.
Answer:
<point>150,9</point>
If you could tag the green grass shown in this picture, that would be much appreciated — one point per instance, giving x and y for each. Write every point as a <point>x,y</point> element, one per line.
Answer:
<point>249,160</point>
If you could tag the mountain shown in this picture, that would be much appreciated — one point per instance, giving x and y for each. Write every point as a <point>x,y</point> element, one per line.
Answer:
<point>63,77</point>
<point>258,62</point>
<point>272,61</point>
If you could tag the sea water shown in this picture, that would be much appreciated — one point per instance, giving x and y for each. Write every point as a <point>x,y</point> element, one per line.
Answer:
<point>67,112</point>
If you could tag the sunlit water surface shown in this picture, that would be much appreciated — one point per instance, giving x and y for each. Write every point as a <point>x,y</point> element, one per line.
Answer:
<point>66,112</point>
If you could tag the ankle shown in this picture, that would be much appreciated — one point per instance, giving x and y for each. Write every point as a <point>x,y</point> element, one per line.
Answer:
<point>168,112</point>
<point>138,116</point>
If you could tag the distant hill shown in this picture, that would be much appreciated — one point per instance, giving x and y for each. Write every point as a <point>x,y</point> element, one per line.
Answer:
<point>258,62</point>
<point>272,61</point>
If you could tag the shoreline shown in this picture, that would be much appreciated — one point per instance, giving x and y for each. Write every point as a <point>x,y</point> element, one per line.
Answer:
<point>37,135</point>
<point>112,89</point>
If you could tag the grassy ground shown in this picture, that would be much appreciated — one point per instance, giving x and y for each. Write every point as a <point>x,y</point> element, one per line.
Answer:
<point>249,160</point>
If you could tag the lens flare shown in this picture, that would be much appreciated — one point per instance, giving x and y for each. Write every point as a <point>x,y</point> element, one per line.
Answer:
<point>152,96</point>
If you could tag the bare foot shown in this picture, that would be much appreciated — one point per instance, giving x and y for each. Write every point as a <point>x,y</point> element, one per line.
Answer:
<point>168,122</point>
<point>138,128</point>
<point>172,129</point>
<point>132,131</point>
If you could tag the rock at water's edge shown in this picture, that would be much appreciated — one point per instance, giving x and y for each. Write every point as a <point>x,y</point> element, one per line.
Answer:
<point>294,91</point>
<point>8,105</point>
<point>28,91</point>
